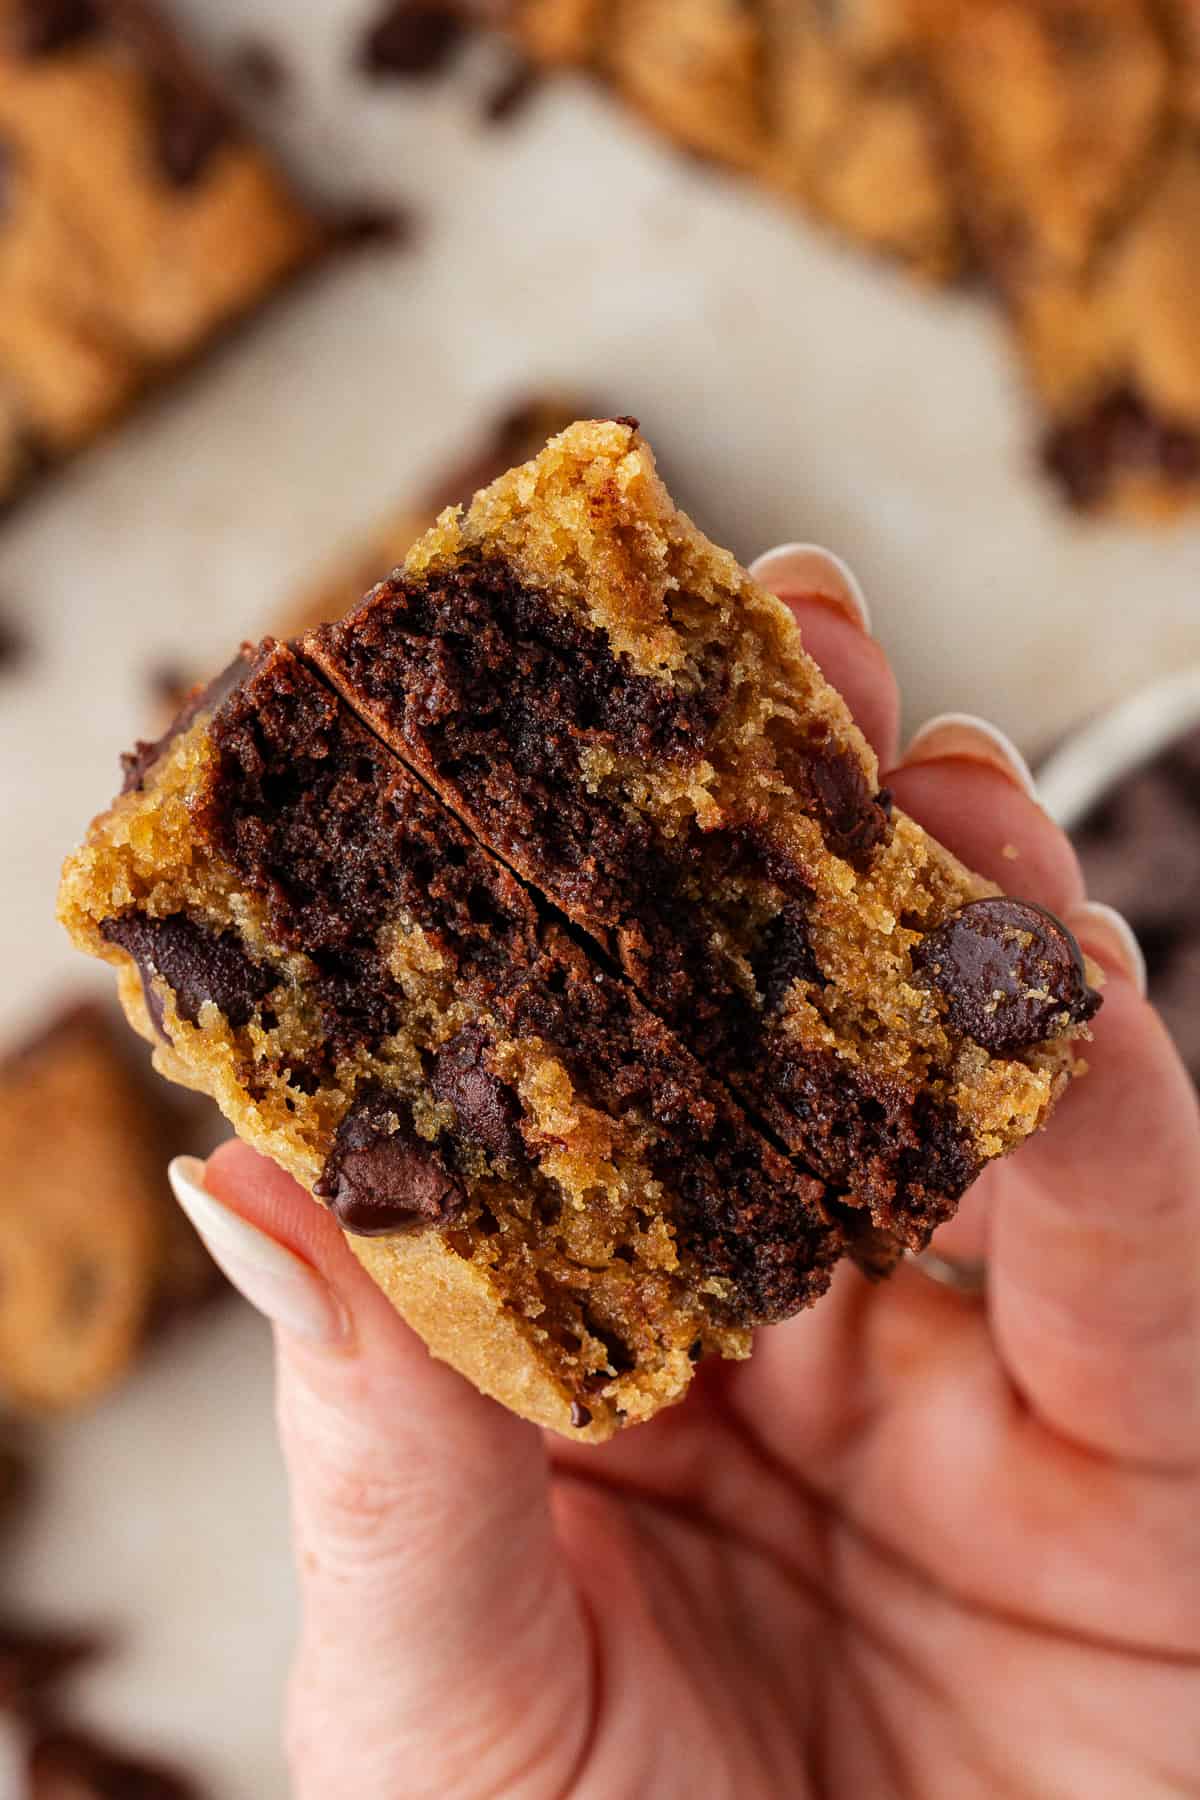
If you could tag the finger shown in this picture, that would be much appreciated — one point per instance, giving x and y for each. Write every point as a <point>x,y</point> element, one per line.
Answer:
<point>829,608</point>
<point>427,1559</point>
<point>1092,1231</point>
<point>1094,1251</point>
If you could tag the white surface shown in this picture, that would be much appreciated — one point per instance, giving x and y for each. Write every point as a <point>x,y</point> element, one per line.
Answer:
<point>796,392</point>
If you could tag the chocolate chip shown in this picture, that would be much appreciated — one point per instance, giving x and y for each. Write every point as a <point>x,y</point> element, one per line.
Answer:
<point>196,963</point>
<point>382,1177</point>
<point>376,225</point>
<point>853,821</point>
<point>581,1415</point>
<point>784,955</point>
<point>47,25</point>
<point>191,127</point>
<point>487,1111</point>
<point>69,1765</point>
<point>1011,974</point>
<point>1122,432</point>
<point>411,39</point>
<point>512,93</point>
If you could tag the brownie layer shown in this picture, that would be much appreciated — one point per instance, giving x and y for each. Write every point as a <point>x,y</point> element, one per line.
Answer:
<point>334,836</point>
<point>506,702</point>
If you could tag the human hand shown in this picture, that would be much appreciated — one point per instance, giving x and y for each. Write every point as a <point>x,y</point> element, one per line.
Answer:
<point>924,1543</point>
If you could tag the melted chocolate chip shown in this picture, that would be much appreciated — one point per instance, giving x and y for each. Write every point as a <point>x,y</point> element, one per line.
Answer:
<point>1011,974</point>
<point>1121,433</point>
<point>197,965</point>
<point>784,955</point>
<point>45,26</point>
<point>487,1111</point>
<point>411,39</point>
<point>192,126</point>
<point>68,1765</point>
<point>377,225</point>
<point>853,821</point>
<point>382,1177</point>
<point>581,1415</point>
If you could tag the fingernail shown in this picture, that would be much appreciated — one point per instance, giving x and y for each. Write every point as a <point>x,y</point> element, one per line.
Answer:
<point>973,740</point>
<point>798,571</point>
<point>1110,932</point>
<point>272,1278</point>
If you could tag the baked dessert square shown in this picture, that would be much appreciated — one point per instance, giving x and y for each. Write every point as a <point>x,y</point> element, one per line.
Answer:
<point>528,1162</point>
<point>545,918</point>
<point>139,219</point>
<point>612,705</point>
<point>93,1253</point>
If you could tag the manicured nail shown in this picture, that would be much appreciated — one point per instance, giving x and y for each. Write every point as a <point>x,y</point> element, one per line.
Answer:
<point>1109,932</point>
<point>272,1278</point>
<point>801,571</point>
<point>964,736</point>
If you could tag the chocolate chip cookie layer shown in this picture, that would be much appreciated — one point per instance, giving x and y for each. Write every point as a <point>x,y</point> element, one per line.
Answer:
<point>610,703</point>
<point>528,1161</point>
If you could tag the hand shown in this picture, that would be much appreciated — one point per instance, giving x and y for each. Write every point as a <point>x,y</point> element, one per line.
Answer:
<point>923,1544</point>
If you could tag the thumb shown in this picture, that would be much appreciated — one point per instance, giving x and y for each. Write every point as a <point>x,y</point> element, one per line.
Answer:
<point>443,1651</point>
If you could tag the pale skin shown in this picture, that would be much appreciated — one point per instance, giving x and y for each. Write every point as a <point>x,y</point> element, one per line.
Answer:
<point>923,1544</point>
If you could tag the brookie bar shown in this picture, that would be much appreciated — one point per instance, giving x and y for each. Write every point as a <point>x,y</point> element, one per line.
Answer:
<point>475,909</point>
<point>138,219</point>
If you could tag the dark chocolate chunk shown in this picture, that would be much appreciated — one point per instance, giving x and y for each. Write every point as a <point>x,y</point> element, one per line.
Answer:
<point>581,1415</point>
<point>411,39</point>
<point>1120,433</point>
<point>48,25</point>
<point>137,763</point>
<point>487,1111</point>
<point>853,821</point>
<point>71,1765</point>
<point>512,93</point>
<point>382,1176</point>
<point>784,955</point>
<point>192,125</point>
<point>196,963</point>
<point>1010,973</point>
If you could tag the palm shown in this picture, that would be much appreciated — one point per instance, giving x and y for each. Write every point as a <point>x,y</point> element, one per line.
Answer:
<point>860,1565</point>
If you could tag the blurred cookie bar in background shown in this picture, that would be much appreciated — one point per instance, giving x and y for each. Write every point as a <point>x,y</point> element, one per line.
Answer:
<point>93,1253</point>
<point>139,219</point>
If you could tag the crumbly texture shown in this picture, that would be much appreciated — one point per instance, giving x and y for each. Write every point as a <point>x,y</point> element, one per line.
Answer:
<point>537,1172</point>
<point>611,703</point>
<point>139,220</point>
<point>1048,146</point>
<point>92,1250</point>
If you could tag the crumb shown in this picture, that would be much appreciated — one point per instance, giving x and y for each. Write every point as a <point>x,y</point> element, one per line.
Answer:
<point>260,66</point>
<point>511,94</point>
<point>1010,853</point>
